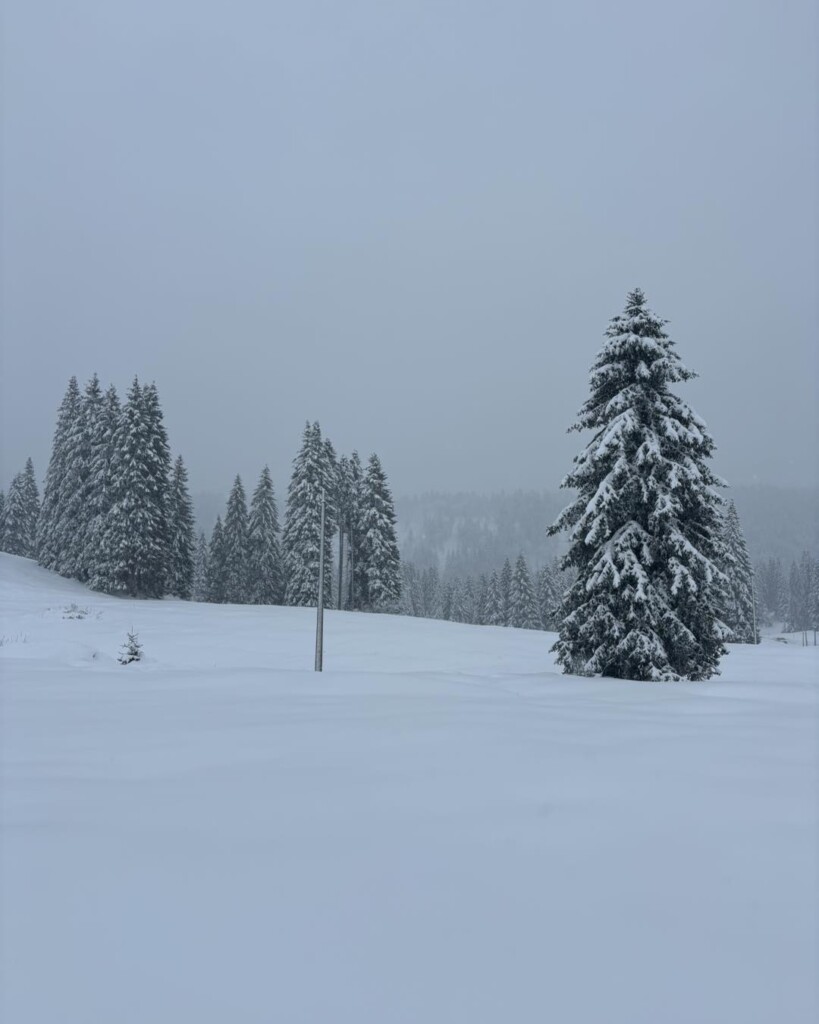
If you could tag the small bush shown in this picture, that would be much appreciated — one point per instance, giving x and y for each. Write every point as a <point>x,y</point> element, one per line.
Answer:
<point>131,650</point>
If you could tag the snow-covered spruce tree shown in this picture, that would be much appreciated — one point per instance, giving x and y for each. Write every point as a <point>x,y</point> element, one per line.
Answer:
<point>52,511</point>
<point>2,521</point>
<point>182,541</point>
<point>493,614</point>
<point>431,593</point>
<point>266,579</point>
<point>481,600</point>
<point>344,502</point>
<point>738,606</point>
<point>236,546</point>
<point>135,537</point>
<point>814,599</point>
<point>301,537</point>
<point>160,466</point>
<point>548,596</point>
<point>798,618</point>
<point>355,531</point>
<point>15,526</point>
<point>97,557</point>
<point>31,499</point>
<point>505,593</point>
<point>200,570</point>
<point>382,563</point>
<point>772,591</point>
<point>216,564</point>
<point>523,609</point>
<point>644,529</point>
<point>92,459</point>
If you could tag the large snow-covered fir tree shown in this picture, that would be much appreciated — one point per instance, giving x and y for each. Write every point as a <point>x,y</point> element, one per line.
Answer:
<point>738,606</point>
<point>382,563</point>
<point>266,577</point>
<point>301,537</point>
<point>523,608</point>
<point>53,524</point>
<point>644,529</point>
<point>181,538</point>
<point>2,521</point>
<point>135,541</point>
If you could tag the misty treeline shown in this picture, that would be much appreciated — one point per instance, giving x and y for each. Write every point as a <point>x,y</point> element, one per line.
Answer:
<point>116,514</point>
<point>247,559</point>
<point>655,580</point>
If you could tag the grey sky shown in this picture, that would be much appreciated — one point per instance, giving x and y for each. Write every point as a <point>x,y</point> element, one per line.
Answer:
<point>411,220</point>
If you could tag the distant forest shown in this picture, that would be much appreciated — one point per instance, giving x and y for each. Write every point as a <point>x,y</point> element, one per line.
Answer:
<point>466,534</point>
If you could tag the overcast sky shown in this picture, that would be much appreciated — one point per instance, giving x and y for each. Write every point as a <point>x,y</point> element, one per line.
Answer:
<point>410,220</point>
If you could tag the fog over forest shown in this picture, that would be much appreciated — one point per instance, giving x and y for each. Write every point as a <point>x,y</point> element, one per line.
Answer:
<point>410,224</point>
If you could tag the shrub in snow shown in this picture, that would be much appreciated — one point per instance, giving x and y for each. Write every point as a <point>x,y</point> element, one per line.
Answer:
<point>131,650</point>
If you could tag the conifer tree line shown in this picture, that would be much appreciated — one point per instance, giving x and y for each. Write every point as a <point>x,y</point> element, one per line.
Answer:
<point>116,514</point>
<point>512,596</point>
<point>248,559</point>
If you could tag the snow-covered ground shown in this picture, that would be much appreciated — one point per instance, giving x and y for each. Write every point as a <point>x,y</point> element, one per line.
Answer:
<point>440,828</point>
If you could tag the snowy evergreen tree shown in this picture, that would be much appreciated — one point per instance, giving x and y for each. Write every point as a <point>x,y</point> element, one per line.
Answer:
<point>31,508</point>
<point>182,540</point>
<point>738,606</point>
<point>97,558</point>
<point>16,527</point>
<point>2,521</point>
<point>216,564</point>
<point>411,602</point>
<point>644,528</point>
<point>494,614</point>
<point>505,593</point>
<point>266,574</point>
<point>431,593</point>
<point>236,546</point>
<point>355,533</point>
<point>136,531</point>
<point>160,470</point>
<point>548,596</point>
<point>798,619</point>
<point>382,563</point>
<point>482,600</point>
<point>200,570</point>
<point>447,600</point>
<point>301,538</point>
<point>79,541</point>
<point>523,609</point>
<point>773,591</point>
<point>52,511</point>
<point>814,599</point>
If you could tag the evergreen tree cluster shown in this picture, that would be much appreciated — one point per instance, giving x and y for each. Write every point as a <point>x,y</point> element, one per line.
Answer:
<point>249,560</point>
<point>790,600</point>
<point>19,512</point>
<point>114,513</point>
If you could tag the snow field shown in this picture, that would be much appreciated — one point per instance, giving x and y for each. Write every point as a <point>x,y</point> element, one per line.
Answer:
<point>439,828</point>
